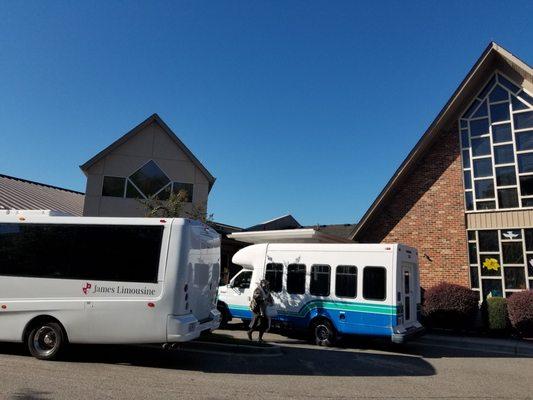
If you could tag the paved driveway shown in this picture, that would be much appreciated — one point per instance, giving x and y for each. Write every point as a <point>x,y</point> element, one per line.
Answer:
<point>363,370</point>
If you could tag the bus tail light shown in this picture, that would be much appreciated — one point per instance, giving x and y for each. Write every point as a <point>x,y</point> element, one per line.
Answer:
<point>399,314</point>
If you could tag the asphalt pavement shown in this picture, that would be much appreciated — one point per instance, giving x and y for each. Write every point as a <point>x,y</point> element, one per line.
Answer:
<point>357,370</point>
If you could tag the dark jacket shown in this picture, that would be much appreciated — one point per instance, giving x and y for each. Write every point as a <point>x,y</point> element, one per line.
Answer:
<point>260,300</point>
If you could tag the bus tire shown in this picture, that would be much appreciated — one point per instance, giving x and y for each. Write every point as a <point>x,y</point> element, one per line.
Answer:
<point>46,340</point>
<point>224,315</point>
<point>323,333</point>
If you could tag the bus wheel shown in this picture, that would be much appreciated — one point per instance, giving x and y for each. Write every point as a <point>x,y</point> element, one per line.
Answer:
<point>323,333</point>
<point>46,340</point>
<point>224,315</point>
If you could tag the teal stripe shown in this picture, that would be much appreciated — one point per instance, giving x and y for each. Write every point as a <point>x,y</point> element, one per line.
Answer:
<point>335,305</point>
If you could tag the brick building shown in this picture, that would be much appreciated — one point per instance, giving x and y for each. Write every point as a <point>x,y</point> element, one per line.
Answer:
<point>464,194</point>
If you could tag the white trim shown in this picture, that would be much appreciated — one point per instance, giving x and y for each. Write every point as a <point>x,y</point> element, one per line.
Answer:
<point>523,129</point>
<point>136,188</point>
<point>499,101</point>
<point>303,235</point>
<point>523,111</point>
<point>503,143</point>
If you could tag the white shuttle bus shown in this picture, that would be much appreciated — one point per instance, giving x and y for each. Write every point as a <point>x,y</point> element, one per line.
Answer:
<point>331,289</point>
<point>105,280</point>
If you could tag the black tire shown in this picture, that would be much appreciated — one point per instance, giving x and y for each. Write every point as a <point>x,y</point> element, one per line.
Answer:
<point>46,340</point>
<point>225,317</point>
<point>323,333</point>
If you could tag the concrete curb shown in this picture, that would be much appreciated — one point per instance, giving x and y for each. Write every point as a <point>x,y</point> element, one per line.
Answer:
<point>229,348</point>
<point>503,346</point>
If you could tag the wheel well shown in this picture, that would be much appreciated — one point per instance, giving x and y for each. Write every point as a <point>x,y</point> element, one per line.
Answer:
<point>319,318</point>
<point>222,306</point>
<point>39,320</point>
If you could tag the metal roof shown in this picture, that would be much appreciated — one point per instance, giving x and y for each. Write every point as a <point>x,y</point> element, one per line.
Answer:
<point>21,194</point>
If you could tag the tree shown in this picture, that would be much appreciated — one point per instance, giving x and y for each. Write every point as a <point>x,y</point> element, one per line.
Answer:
<point>171,208</point>
<point>199,213</point>
<point>174,208</point>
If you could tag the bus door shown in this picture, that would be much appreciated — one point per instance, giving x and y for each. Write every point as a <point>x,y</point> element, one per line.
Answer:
<point>238,294</point>
<point>408,284</point>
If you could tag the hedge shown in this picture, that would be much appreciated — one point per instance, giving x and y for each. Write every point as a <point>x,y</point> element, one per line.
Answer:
<point>495,310</point>
<point>520,308</point>
<point>447,305</point>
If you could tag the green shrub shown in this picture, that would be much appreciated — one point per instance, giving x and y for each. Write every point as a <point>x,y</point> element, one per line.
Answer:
<point>496,313</point>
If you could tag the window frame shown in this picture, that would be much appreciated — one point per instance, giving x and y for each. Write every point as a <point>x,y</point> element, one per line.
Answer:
<point>71,267</point>
<point>320,273</point>
<point>464,121</point>
<point>304,278</point>
<point>114,177</point>
<point>365,268</point>
<point>281,273</point>
<point>345,274</point>
<point>527,254</point>
<point>244,272</point>
<point>128,180</point>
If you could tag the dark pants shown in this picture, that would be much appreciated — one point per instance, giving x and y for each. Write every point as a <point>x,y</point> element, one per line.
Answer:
<point>260,324</point>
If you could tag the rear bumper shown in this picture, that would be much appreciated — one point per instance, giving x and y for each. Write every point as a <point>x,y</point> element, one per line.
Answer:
<point>183,328</point>
<point>412,333</point>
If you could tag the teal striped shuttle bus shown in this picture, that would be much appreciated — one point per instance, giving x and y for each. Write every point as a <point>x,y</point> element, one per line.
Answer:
<point>331,290</point>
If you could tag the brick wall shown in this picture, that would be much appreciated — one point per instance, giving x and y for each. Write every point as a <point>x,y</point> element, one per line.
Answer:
<point>427,212</point>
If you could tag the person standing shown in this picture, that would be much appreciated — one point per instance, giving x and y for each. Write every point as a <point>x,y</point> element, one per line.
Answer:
<point>261,299</point>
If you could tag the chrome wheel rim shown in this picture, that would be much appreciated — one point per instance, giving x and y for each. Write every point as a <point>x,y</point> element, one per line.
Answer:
<point>45,340</point>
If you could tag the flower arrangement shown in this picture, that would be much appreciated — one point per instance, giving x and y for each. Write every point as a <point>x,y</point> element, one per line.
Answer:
<point>491,264</point>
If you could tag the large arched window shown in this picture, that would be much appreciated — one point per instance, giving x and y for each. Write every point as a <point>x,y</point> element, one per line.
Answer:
<point>147,181</point>
<point>497,147</point>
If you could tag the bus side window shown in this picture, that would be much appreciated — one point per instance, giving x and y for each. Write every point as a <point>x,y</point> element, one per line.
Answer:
<point>320,280</point>
<point>375,283</point>
<point>346,281</point>
<point>274,276</point>
<point>128,253</point>
<point>296,279</point>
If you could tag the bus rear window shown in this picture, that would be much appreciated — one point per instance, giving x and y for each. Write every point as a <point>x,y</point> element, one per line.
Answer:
<point>375,283</point>
<point>88,252</point>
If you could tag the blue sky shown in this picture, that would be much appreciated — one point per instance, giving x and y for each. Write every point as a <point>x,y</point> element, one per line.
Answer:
<point>302,107</point>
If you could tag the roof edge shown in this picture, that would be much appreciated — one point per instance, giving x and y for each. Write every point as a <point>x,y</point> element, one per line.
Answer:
<point>128,135</point>
<point>41,184</point>
<point>415,151</point>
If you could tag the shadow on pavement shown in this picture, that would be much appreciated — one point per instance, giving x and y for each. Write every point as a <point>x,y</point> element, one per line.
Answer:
<point>412,348</point>
<point>30,394</point>
<point>293,361</point>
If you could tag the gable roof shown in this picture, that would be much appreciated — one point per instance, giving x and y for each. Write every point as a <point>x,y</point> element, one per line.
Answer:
<point>494,57</point>
<point>284,222</point>
<point>153,118</point>
<point>21,194</point>
<point>340,230</point>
